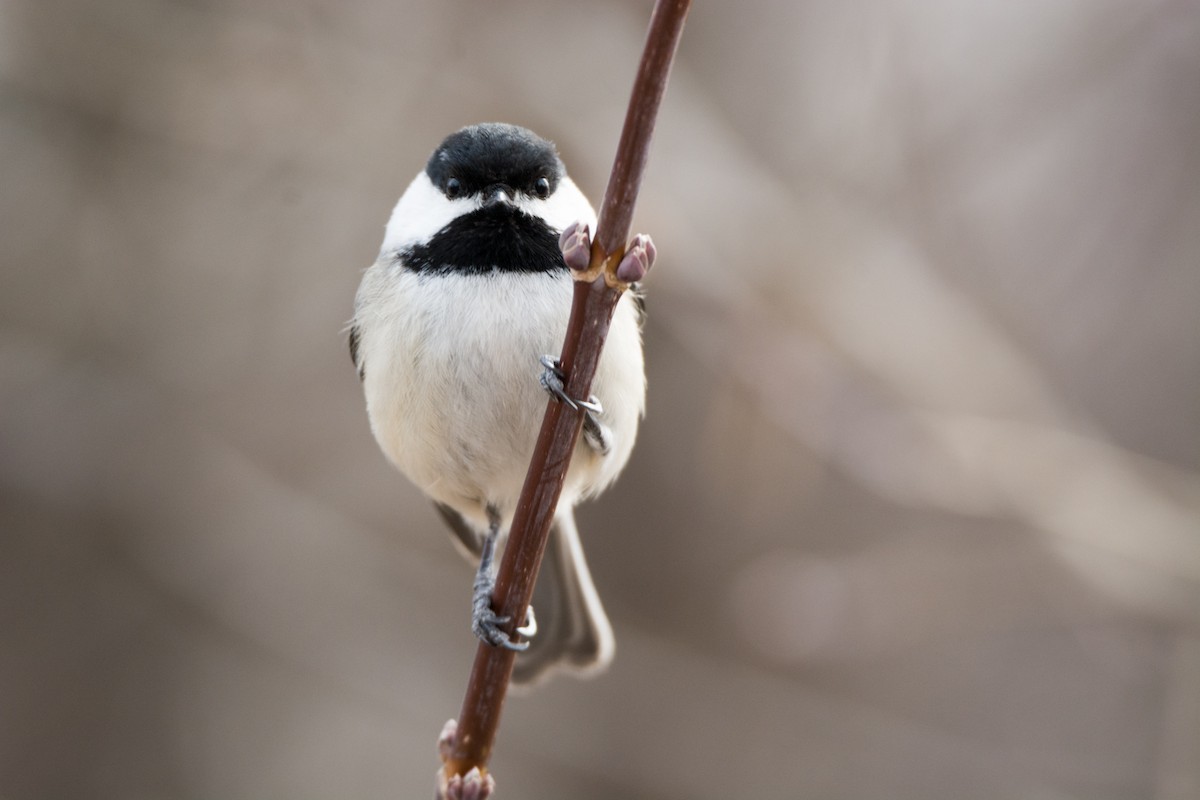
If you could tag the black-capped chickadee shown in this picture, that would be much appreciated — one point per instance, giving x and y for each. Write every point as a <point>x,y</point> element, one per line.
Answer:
<point>450,333</point>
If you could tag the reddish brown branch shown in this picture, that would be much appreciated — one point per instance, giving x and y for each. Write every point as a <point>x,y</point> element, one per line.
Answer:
<point>596,294</point>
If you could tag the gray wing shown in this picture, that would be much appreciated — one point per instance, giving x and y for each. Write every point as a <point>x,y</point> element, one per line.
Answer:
<point>470,541</point>
<point>355,337</point>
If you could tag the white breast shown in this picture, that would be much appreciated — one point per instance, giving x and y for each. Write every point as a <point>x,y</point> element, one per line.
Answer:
<point>451,380</point>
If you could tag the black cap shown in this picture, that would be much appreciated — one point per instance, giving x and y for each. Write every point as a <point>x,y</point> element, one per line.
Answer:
<point>482,156</point>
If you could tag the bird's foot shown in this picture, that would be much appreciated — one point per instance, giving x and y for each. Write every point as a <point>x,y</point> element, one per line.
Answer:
<point>486,624</point>
<point>597,435</point>
<point>554,381</point>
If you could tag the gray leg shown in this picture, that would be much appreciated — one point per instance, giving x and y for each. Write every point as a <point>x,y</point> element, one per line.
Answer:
<point>484,621</point>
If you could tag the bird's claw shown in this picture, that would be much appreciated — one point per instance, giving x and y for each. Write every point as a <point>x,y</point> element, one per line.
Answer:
<point>530,628</point>
<point>553,381</point>
<point>485,623</point>
<point>487,626</point>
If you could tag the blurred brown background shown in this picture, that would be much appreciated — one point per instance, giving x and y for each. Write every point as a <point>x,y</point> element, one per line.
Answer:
<point>916,507</point>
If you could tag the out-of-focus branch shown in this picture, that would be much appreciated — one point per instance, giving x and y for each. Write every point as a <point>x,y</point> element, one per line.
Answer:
<point>597,290</point>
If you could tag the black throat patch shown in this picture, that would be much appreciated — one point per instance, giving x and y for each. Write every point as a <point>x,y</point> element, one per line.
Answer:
<point>494,238</point>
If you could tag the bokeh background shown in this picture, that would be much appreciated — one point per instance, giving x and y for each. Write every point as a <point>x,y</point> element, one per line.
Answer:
<point>915,512</point>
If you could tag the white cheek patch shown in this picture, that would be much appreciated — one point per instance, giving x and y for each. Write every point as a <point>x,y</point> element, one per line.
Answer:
<point>423,210</point>
<point>565,206</point>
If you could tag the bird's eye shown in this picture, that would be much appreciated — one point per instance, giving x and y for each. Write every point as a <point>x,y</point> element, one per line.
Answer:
<point>453,188</point>
<point>542,188</point>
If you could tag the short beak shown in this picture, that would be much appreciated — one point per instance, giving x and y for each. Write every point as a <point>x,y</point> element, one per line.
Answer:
<point>496,194</point>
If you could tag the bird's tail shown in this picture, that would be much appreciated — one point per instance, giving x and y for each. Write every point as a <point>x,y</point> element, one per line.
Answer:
<point>574,633</point>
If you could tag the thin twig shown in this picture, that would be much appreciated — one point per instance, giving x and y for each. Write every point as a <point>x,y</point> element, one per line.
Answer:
<point>597,291</point>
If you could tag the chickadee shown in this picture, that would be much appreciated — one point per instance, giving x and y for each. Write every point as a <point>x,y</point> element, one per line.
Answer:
<point>451,328</point>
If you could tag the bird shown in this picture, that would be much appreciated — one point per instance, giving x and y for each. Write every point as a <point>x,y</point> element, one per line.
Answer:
<point>452,335</point>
